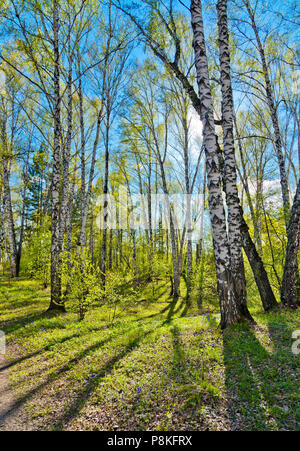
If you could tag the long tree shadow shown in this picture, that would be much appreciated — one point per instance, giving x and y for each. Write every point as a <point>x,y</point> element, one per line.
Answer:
<point>172,309</point>
<point>85,394</point>
<point>10,326</point>
<point>195,388</point>
<point>39,351</point>
<point>51,378</point>
<point>179,368</point>
<point>60,371</point>
<point>52,343</point>
<point>243,391</point>
<point>255,383</point>
<point>287,396</point>
<point>145,399</point>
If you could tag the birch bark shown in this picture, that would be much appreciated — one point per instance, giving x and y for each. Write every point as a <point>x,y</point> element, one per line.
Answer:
<point>9,218</point>
<point>230,312</point>
<point>230,172</point>
<point>56,250</point>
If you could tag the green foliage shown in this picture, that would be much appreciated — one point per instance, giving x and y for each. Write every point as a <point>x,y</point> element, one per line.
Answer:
<point>82,280</point>
<point>38,257</point>
<point>85,288</point>
<point>117,297</point>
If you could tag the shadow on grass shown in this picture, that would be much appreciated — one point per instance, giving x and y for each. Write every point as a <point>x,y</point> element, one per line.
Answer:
<point>83,396</point>
<point>51,378</point>
<point>10,326</point>
<point>261,385</point>
<point>170,310</point>
<point>179,367</point>
<point>39,351</point>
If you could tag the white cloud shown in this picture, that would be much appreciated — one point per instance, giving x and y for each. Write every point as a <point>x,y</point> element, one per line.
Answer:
<point>196,128</point>
<point>271,192</point>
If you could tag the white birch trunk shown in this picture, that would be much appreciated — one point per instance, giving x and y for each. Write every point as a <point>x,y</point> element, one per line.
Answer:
<point>228,305</point>
<point>230,172</point>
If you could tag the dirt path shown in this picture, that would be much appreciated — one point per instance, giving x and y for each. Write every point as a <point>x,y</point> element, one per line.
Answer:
<point>11,418</point>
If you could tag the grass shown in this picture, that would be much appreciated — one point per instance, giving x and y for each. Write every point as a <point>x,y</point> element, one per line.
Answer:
<point>150,369</point>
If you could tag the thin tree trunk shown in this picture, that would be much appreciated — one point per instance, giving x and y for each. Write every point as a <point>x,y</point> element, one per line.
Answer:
<point>56,250</point>
<point>86,194</point>
<point>274,117</point>
<point>66,153</point>
<point>22,225</point>
<point>149,199</point>
<point>110,249</point>
<point>176,270</point>
<point>10,220</point>
<point>69,218</point>
<point>174,244</point>
<point>260,275</point>
<point>244,179</point>
<point>189,267</point>
<point>11,234</point>
<point>105,206</point>
<point>83,200</point>
<point>2,235</point>
<point>200,244</point>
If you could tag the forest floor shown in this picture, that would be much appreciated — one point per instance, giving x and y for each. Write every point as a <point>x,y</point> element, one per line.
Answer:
<point>155,367</point>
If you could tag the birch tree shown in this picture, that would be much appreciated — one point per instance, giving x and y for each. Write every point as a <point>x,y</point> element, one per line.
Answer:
<point>231,311</point>
<point>173,63</point>
<point>273,113</point>
<point>230,173</point>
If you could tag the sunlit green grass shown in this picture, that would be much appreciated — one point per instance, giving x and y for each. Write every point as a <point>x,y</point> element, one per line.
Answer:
<point>149,369</point>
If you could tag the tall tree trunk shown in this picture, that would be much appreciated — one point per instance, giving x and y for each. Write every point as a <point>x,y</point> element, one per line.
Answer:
<point>230,173</point>
<point>2,235</point>
<point>149,202</point>
<point>274,116</point>
<point>110,249</point>
<point>289,291</point>
<point>105,206</point>
<point>189,267</point>
<point>83,200</point>
<point>56,250</point>
<point>260,275</point>
<point>244,179</point>
<point>22,225</point>
<point>174,247</point>
<point>69,217</point>
<point>145,221</point>
<point>200,243</point>
<point>174,242</point>
<point>231,312</point>
<point>10,219</point>
<point>66,152</point>
<point>8,212</point>
<point>86,193</point>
